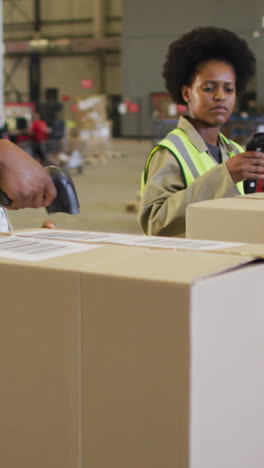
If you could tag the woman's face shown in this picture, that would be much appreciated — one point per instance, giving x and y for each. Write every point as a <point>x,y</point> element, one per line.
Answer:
<point>211,97</point>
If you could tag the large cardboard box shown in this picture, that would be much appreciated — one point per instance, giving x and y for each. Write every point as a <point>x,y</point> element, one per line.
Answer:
<point>238,219</point>
<point>127,356</point>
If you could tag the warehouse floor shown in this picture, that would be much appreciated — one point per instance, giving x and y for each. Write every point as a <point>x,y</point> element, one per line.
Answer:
<point>104,188</point>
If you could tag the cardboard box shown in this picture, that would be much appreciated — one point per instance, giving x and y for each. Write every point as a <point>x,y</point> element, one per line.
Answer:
<point>238,219</point>
<point>132,357</point>
<point>91,112</point>
<point>253,196</point>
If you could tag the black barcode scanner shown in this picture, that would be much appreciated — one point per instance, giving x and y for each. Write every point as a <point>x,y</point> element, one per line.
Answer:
<point>66,200</point>
<point>255,143</point>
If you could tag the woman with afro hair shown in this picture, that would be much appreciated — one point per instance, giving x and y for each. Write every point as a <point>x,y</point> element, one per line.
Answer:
<point>206,69</point>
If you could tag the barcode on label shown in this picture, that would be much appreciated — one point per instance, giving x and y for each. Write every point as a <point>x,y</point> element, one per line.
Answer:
<point>70,235</point>
<point>38,249</point>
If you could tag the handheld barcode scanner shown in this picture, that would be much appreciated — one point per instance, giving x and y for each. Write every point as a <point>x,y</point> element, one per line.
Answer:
<point>66,200</point>
<point>255,143</point>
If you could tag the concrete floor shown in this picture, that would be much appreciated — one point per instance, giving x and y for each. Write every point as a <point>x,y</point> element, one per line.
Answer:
<point>103,190</point>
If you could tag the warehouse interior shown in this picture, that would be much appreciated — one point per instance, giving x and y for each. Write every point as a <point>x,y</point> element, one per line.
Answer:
<point>83,45</point>
<point>58,56</point>
<point>107,191</point>
<point>121,348</point>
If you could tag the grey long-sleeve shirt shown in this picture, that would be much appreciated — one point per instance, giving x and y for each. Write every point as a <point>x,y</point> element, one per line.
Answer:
<point>163,204</point>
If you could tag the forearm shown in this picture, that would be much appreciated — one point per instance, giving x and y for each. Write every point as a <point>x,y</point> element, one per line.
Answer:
<point>5,150</point>
<point>165,213</point>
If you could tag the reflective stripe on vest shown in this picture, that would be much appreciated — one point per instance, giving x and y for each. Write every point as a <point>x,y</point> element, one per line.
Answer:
<point>192,166</point>
<point>177,142</point>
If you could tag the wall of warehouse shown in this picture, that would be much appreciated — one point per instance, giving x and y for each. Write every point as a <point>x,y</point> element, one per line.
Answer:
<point>65,72</point>
<point>149,27</point>
<point>69,71</point>
<point>147,30</point>
<point>23,12</point>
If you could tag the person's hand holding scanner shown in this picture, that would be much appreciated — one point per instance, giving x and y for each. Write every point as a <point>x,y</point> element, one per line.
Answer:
<point>248,165</point>
<point>23,179</point>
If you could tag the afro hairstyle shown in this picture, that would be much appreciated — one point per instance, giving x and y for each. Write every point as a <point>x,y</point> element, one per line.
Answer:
<point>203,44</point>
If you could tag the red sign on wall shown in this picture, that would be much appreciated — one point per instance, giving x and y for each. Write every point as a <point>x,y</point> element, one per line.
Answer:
<point>133,107</point>
<point>87,84</point>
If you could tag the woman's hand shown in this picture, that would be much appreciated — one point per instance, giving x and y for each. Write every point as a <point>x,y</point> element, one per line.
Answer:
<point>248,165</point>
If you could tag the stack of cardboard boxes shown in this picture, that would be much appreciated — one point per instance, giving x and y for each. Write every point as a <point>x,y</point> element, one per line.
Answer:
<point>93,130</point>
<point>131,352</point>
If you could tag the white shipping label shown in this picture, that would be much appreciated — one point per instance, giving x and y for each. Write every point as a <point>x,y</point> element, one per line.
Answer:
<point>127,239</point>
<point>179,244</point>
<point>31,250</point>
<point>75,236</point>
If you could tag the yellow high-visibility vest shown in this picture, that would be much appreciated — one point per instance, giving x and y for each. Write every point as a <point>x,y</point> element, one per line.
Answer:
<point>192,161</point>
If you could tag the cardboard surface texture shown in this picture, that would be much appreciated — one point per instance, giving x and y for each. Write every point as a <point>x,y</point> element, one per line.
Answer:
<point>125,356</point>
<point>253,196</point>
<point>238,219</point>
<point>178,244</point>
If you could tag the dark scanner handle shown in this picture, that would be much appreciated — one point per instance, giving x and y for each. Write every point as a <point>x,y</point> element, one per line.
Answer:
<point>4,199</point>
<point>255,143</point>
<point>66,200</point>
